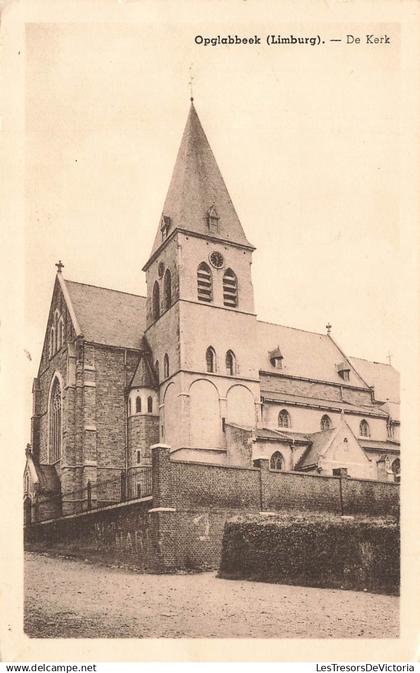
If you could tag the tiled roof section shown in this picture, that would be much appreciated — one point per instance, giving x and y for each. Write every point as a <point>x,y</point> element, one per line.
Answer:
<point>373,445</point>
<point>108,317</point>
<point>319,442</point>
<point>305,354</point>
<point>196,185</point>
<point>383,377</point>
<point>144,376</point>
<point>48,479</point>
<point>267,433</point>
<point>300,400</point>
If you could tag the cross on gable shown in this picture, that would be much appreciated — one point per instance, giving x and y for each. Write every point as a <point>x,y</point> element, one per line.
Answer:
<point>59,266</point>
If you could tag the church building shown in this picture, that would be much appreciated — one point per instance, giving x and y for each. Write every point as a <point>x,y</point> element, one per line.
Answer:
<point>192,367</point>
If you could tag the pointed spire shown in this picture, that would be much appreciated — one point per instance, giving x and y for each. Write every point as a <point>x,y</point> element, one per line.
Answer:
<point>196,186</point>
<point>144,376</point>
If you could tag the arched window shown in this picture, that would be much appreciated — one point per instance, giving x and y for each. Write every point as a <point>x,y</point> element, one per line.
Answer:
<point>284,419</point>
<point>167,289</point>
<point>325,422</point>
<point>211,359</point>
<point>230,363</point>
<point>157,369</point>
<point>364,429</point>
<point>156,301</point>
<point>129,406</point>
<point>52,342</point>
<point>166,366</point>
<point>230,288</point>
<point>276,461</point>
<point>55,422</point>
<point>138,405</point>
<point>396,469</point>
<point>60,339</point>
<point>150,404</point>
<point>204,283</point>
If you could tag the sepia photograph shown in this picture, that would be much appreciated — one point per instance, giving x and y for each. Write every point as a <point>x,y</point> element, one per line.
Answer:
<point>212,347</point>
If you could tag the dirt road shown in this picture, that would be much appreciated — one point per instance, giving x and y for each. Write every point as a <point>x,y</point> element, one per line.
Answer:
<point>74,599</point>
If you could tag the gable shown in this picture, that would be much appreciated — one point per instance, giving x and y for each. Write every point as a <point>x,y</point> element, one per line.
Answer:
<point>344,448</point>
<point>58,309</point>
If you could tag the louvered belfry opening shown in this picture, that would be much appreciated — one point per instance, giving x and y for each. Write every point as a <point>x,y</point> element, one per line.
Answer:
<point>204,283</point>
<point>230,288</point>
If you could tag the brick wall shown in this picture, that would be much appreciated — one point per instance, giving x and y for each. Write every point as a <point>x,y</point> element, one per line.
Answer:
<point>192,502</point>
<point>313,389</point>
<point>117,533</point>
<point>201,485</point>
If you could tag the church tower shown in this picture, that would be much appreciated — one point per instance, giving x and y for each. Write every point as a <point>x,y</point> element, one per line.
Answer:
<point>201,324</point>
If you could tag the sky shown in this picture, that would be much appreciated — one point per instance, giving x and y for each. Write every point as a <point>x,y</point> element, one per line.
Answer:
<point>307,140</point>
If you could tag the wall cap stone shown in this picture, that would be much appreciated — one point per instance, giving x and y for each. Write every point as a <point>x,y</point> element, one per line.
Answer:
<point>162,509</point>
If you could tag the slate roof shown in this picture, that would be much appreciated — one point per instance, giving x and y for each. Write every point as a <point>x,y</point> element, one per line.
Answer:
<point>144,376</point>
<point>196,186</point>
<point>48,479</point>
<point>44,476</point>
<point>305,354</point>
<point>319,442</point>
<point>108,316</point>
<point>383,377</point>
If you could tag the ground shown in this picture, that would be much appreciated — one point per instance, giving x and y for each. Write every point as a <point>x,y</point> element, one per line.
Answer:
<point>66,598</point>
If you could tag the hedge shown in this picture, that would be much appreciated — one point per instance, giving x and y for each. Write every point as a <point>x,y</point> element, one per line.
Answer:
<point>318,551</point>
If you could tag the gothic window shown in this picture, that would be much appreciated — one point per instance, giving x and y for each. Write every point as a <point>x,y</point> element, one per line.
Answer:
<point>230,288</point>
<point>230,363</point>
<point>204,283</point>
<point>129,407</point>
<point>276,462</point>
<point>156,301</point>
<point>138,489</point>
<point>167,289</point>
<point>52,342</point>
<point>211,359</point>
<point>364,429</point>
<point>284,419</point>
<point>325,422</point>
<point>138,405</point>
<point>166,366</point>
<point>150,404</point>
<point>157,369</point>
<point>55,421</point>
<point>60,338</point>
<point>138,456</point>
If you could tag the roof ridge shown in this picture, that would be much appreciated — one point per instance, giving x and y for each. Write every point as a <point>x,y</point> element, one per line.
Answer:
<point>100,287</point>
<point>297,329</point>
<point>372,362</point>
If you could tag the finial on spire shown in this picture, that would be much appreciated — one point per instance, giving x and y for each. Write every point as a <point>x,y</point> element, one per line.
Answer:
<point>329,327</point>
<point>190,83</point>
<point>59,266</point>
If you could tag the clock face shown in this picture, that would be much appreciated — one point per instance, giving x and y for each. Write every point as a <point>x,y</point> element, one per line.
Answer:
<point>216,259</point>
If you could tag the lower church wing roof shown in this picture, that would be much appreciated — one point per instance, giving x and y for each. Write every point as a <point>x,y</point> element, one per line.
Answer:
<point>305,354</point>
